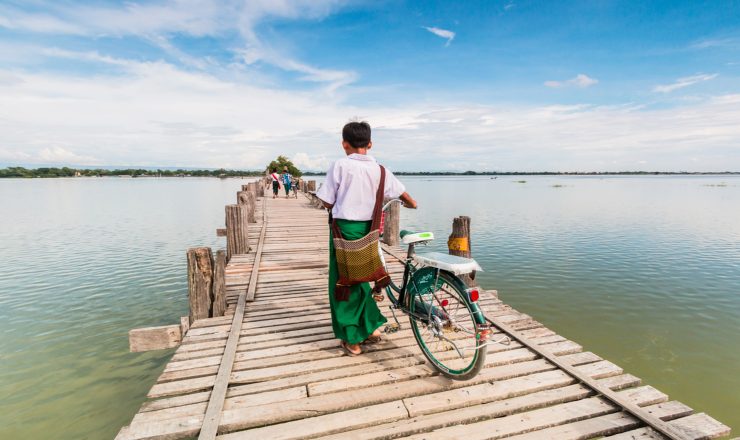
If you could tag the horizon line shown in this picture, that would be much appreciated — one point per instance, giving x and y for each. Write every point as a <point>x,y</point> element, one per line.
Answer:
<point>313,171</point>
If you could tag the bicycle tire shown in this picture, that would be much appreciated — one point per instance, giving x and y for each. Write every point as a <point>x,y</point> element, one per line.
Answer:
<point>424,332</point>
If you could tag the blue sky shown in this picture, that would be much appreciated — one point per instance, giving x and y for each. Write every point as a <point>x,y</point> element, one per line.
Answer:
<point>489,85</point>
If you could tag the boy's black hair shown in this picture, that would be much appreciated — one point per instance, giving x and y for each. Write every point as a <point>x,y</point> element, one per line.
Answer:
<point>356,134</point>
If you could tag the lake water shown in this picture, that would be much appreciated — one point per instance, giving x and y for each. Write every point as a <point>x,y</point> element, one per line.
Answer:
<point>644,271</point>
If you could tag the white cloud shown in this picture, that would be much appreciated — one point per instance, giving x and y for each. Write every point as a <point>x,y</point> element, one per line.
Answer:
<point>334,78</point>
<point>63,156</point>
<point>579,80</point>
<point>47,156</point>
<point>683,82</point>
<point>443,33</point>
<point>717,42</point>
<point>201,114</point>
<point>155,114</point>
<point>312,163</point>
<point>14,19</point>
<point>156,21</point>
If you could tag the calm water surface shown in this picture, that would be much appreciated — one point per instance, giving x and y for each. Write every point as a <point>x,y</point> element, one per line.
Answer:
<point>644,271</point>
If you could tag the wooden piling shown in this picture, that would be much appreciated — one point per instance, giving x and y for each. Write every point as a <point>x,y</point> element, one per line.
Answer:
<point>459,244</point>
<point>311,185</point>
<point>219,285</point>
<point>391,224</point>
<point>252,203</point>
<point>257,189</point>
<point>200,282</point>
<point>237,219</point>
<point>249,199</point>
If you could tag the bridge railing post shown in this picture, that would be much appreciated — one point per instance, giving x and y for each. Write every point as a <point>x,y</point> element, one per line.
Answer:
<point>459,244</point>
<point>200,282</point>
<point>247,199</point>
<point>237,219</point>
<point>219,284</point>
<point>391,224</point>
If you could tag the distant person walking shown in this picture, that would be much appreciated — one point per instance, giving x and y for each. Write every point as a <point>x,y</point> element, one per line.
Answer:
<point>350,192</point>
<point>275,182</point>
<point>294,183</point>
<point>287,178</point>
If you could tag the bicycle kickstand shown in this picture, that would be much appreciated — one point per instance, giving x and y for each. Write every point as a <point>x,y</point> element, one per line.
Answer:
<point>393,327</point>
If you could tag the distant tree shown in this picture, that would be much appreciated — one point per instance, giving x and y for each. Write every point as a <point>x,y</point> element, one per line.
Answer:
<point>281,162</point>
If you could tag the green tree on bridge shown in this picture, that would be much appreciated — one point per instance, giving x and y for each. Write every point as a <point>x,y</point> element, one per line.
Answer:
<point>281,162</point>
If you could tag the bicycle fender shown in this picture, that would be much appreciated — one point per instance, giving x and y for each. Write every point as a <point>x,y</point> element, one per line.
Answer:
<point>480,318</point>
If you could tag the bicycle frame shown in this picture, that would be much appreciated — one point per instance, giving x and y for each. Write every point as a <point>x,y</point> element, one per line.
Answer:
<point>401,303</point>
<point>408,271</point>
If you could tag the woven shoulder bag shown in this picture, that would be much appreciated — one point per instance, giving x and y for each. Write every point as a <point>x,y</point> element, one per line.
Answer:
<point>359,261</point>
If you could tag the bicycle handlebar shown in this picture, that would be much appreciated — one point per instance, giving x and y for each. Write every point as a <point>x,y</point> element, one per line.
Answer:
<point>390,202</point>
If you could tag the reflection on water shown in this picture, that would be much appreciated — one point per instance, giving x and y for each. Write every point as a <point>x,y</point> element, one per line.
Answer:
<point>84,261</point>
<point>644,271</point>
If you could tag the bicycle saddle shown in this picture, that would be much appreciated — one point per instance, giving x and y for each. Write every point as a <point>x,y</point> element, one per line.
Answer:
<point>408,237</point>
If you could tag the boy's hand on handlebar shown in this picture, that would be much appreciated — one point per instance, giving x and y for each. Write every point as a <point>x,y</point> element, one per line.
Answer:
<point>408,201</point>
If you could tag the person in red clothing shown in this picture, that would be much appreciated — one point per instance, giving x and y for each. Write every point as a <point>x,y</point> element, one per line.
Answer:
<point>275,182</point>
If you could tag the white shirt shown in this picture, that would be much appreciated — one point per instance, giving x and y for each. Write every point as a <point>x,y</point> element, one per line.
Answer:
<point>351,184</point>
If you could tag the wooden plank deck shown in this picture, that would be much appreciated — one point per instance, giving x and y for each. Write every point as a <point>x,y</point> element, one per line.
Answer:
<point>289,379</point>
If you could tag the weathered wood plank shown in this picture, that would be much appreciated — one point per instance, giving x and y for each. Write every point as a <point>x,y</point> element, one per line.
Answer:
<point>215,405</point>
<point>288,378</point>
<point>154,338</point>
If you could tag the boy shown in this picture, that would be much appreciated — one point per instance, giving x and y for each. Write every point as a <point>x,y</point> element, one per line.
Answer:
<point>275,182</point>
<point>349,192</point>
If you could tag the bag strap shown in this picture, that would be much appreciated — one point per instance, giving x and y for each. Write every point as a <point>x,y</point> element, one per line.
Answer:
<point>377,210</point>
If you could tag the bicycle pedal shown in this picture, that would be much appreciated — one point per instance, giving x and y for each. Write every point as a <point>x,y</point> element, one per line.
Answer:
<point>392,328</point>
<point>378,297</point>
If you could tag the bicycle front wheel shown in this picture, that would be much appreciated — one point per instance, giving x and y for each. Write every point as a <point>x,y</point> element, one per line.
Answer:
<point>444,324</point>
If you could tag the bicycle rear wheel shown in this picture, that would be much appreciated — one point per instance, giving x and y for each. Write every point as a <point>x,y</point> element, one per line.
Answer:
<point>444,324</point>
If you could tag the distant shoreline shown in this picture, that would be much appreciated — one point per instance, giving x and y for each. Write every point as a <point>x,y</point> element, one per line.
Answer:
<point>50,172</point>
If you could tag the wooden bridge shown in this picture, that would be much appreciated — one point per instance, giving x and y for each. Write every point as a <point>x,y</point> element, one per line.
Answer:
<point>270,368</point>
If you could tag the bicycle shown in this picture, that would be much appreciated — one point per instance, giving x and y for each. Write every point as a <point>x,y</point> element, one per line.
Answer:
<point>444,314</point>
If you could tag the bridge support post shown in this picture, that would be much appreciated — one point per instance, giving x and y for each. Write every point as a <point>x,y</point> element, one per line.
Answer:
<point>237,220</point>
<point>219,284</point>
<point>459,244</point>
<point>200,282</point>
<point>249,199</point>
<point>391,224</point>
